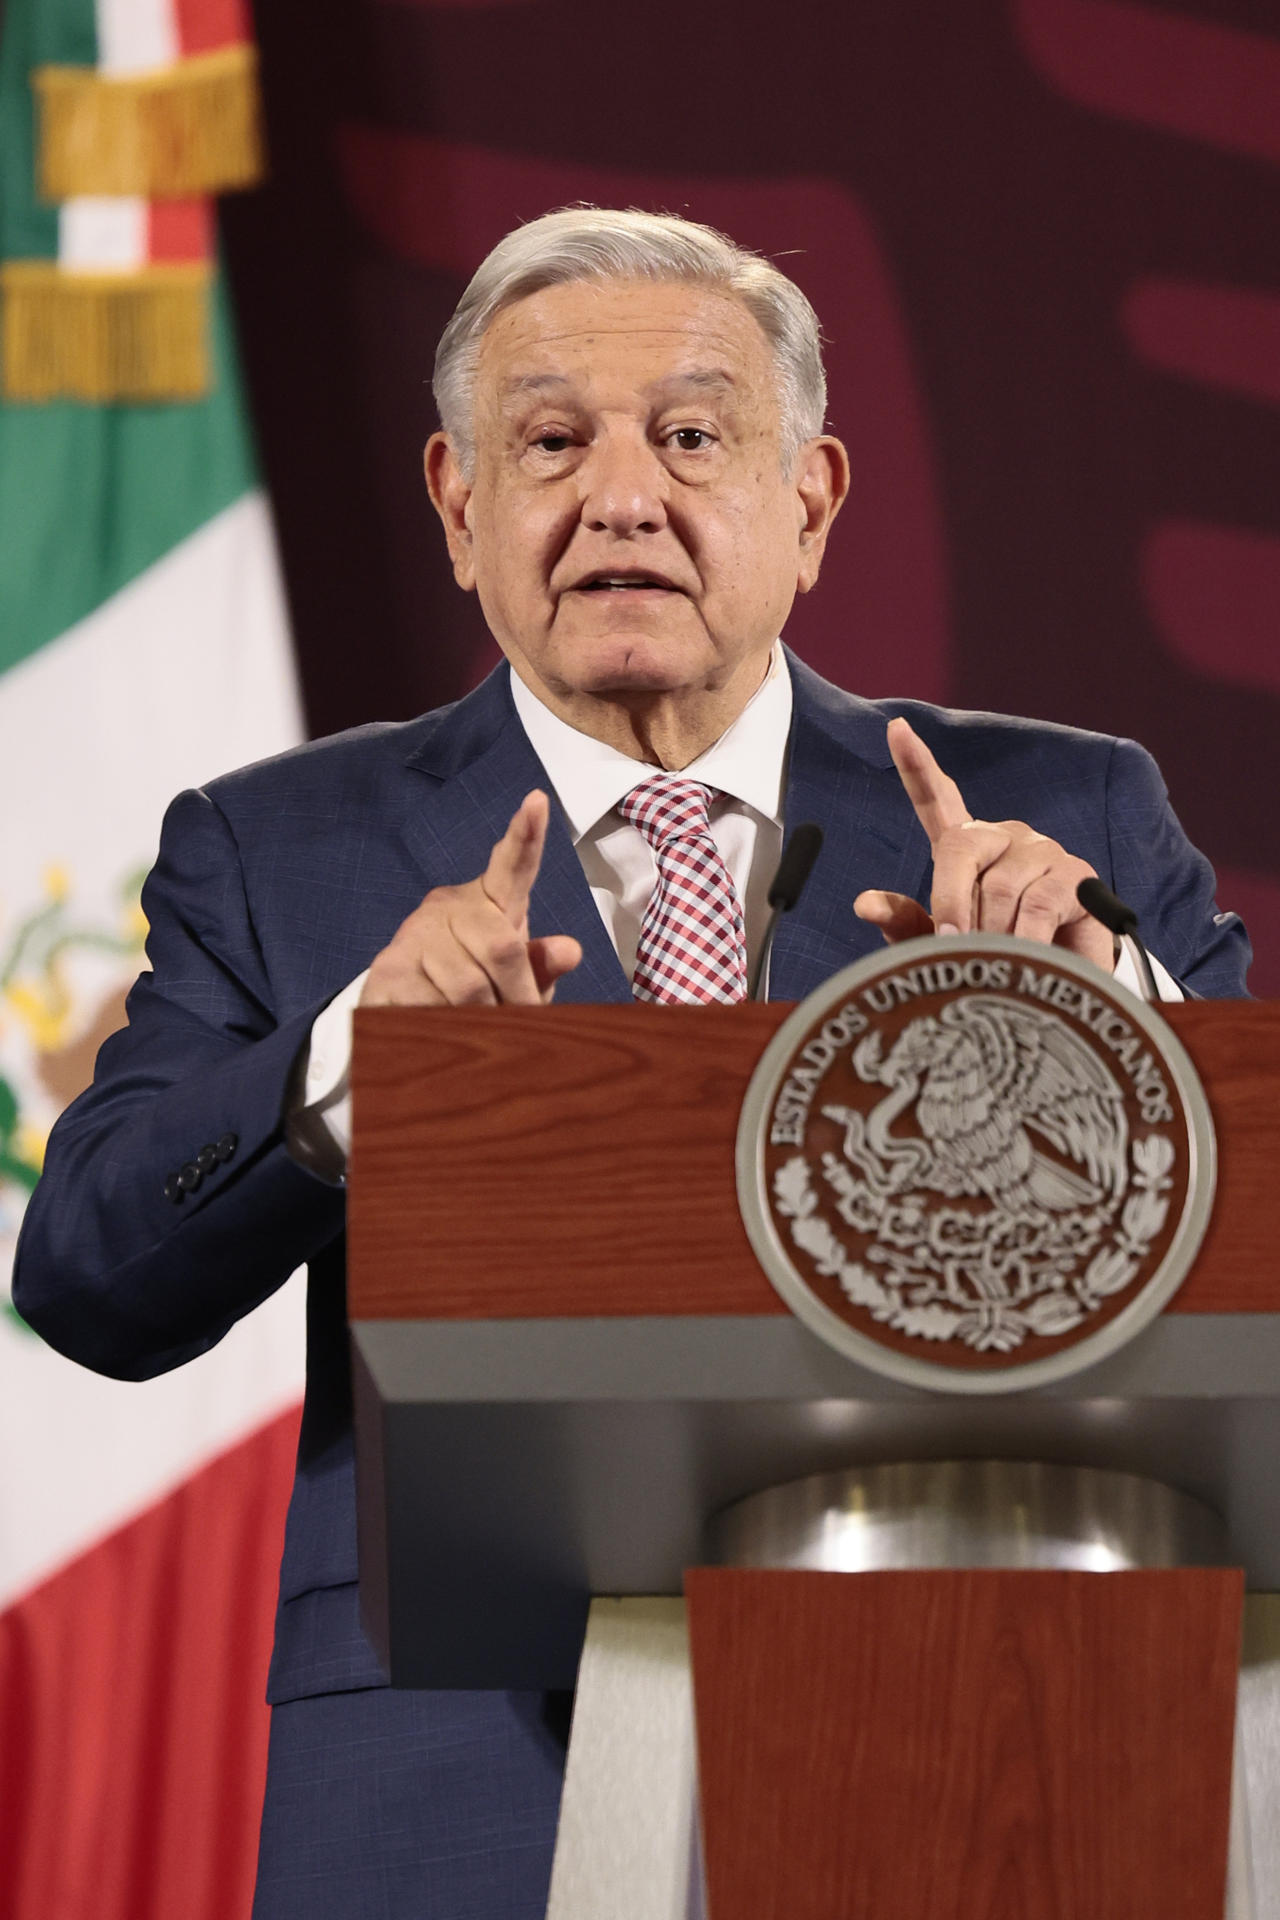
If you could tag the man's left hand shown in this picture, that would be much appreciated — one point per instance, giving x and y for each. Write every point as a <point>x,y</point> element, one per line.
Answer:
<point>989,876</point>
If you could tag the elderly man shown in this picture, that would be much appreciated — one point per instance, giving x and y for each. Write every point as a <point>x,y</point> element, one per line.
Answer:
<point>633,476</point>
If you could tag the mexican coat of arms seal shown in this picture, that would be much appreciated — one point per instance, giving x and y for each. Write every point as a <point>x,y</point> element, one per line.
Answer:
<point>974,1163</point>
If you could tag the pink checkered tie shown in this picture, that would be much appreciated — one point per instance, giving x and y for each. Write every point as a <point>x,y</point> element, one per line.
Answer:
<point>692,942</point>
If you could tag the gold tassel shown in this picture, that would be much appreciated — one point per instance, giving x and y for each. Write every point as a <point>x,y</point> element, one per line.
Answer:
<point>105,336</point>
<point>176,133</point>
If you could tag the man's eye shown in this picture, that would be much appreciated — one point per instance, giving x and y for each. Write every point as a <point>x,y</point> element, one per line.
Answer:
<point>691,439</point>
<point>552,442</point>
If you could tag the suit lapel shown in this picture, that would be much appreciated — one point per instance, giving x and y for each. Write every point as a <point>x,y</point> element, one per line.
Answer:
<point>840,774</point>
<point>481,765</point>
<point>562,903</point>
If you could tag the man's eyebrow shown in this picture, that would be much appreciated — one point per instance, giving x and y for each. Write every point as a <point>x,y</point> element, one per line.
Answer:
<point>522,383</point>
<point>705,379</point>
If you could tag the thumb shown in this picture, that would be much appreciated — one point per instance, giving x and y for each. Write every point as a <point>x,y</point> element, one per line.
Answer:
<point>551,956</point>
<point>897,915</point>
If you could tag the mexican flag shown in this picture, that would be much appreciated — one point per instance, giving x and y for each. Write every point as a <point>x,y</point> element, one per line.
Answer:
<point>143,648</point>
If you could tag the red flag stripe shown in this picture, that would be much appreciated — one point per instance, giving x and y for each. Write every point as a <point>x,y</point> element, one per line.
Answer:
<point>133,1731</point>
<point>204,25</point>
<point>180,230</point>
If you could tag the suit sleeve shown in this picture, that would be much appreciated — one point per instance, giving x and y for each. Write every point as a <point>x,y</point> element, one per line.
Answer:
<point>110,1269</point>
<point>1170,885</point>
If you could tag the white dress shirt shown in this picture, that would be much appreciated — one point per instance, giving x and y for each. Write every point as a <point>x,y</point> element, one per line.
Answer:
<point>746,766</point>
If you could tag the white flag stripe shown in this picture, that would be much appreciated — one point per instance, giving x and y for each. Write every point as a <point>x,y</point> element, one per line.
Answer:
<point>183,674</point>
<point>100,234</point>
<point>136,35</point>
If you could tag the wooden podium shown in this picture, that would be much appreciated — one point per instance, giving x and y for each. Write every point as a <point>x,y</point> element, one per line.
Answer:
<point>567,1360</point>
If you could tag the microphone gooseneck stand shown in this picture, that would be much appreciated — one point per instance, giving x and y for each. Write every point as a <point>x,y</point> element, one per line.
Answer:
<point>794,868</point>
<point>1121,922</point>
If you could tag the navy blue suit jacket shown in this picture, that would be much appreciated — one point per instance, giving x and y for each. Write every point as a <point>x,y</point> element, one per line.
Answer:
<point>276,885</point>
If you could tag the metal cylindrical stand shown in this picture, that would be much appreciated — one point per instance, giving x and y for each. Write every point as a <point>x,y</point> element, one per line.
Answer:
<point>969,1513</point>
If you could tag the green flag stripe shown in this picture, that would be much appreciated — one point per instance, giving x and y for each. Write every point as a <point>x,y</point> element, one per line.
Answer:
<point>91,496</point>
<point>35,32</point>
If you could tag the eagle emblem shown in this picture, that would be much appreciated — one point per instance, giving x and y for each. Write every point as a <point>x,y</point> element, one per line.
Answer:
<point>993,1103</point>
<point>977,1165</point>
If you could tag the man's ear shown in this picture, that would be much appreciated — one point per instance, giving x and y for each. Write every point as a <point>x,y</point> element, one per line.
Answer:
<point>451,498</point>
<point>822,485</point>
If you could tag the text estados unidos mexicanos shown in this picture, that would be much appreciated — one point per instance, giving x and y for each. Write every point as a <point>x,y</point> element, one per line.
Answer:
<point>1059,991</point>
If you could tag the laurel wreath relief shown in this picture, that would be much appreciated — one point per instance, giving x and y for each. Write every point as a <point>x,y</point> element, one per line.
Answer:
<point>1057,1302</point>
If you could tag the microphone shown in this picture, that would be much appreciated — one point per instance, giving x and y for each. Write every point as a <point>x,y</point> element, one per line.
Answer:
<point>794,868</point>
<point>1121,921</point>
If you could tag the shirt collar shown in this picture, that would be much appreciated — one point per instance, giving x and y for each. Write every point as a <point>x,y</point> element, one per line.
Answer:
<point>748,761</point>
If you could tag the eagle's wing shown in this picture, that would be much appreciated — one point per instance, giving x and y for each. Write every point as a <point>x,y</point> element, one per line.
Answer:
<point>960,1095</point>
<point>1060,1088</point>
<point>963,1110</point>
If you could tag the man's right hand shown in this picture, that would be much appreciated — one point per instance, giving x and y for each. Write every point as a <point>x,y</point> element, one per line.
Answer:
<point>469,946</point>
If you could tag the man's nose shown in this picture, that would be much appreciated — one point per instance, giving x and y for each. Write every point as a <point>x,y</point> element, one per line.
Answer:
<point>624,484</point>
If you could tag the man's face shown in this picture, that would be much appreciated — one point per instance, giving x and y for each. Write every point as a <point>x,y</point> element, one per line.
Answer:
<point>629,526</point>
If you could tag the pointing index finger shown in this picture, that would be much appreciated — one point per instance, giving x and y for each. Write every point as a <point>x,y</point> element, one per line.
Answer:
<point>513,865</point>
<point>937,799</point>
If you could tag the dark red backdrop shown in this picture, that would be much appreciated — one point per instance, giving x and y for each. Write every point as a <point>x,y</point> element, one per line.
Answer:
<point>1044,237</point>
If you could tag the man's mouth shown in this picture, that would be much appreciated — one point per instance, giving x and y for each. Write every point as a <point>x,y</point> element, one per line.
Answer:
<point>626,583</point>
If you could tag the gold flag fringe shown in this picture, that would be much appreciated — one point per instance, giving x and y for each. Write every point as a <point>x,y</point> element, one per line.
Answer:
<point>105,336</point>
<point>190,129</point>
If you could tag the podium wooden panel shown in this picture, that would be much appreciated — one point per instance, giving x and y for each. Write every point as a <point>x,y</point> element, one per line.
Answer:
<point>965,1745</point>
<point>468,1127</point>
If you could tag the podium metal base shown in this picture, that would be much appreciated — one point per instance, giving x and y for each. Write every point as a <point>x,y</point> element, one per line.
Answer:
<point>969,1513</point>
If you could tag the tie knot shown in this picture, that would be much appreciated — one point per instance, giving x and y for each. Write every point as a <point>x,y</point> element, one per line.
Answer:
<point>667,808</point>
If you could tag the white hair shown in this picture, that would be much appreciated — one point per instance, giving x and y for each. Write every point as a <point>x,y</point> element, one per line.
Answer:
<point>608,243</point>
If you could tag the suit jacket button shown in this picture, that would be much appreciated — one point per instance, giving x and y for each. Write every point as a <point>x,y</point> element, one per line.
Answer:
<point>227,1146</point>
<point>173,1189</point>
<point>189,1177</point>
<point>207,1159</point>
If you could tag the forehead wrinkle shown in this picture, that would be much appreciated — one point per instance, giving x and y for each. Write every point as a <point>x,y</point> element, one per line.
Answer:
<point>714,380</point>
<point>580,312</point>
<point>597,327</point>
